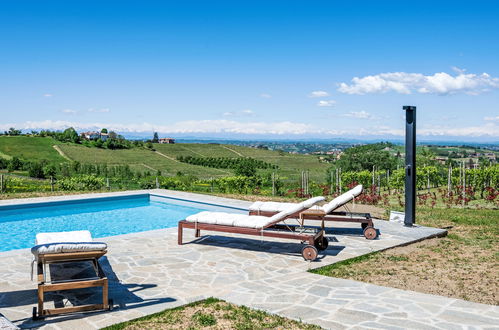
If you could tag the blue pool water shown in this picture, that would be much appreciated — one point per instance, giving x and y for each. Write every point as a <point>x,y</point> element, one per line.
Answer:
<point>102,217</point>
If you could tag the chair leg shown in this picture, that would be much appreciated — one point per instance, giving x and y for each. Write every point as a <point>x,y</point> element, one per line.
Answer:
<point>198,233</point>
<point>105,295</point>
<point>180,233</point>
<point>40,299</point>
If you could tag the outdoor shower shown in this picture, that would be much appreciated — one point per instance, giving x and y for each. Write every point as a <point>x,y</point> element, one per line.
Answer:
<point>410,165</point>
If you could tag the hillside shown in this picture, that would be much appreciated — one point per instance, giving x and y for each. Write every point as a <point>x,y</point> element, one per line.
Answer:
<point>163,159</point>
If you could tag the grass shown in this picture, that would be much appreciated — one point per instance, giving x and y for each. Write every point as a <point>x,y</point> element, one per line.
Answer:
<point>27,147</point>
<point>140,159</point>
<point>211,313</point>
<point>462,265</point>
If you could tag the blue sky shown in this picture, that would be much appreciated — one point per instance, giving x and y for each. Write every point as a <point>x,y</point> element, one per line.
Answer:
<point>283,69</point>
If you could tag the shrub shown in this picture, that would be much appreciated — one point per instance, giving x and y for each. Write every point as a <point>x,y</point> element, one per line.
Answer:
<point>81,182</point>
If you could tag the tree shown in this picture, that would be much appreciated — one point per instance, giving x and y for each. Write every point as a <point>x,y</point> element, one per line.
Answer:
<point>35,170</point>
<point>103,131</point>
<point>245,169</point>
<point>13,132</point>
<point>70,135</point>
<point>155,138</point>
<point>14,164</point>
<point>364,157</point>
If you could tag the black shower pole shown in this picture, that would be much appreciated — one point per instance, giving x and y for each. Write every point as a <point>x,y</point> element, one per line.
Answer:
<point>410,165</point>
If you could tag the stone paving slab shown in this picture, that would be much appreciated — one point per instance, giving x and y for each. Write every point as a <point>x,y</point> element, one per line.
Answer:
<point>149,272</point>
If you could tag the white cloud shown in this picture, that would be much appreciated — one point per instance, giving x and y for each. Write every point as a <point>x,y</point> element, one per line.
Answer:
<point>358,115</point>
<point>70,111</point>
<point>318,94</point>
<point>103,110</point>
<point>326,103</point>
<point>282,128</point>
<point>496,118</point>
<point>406,83</point>
<point>245,112</point>
<point>190,126</point>
<point>47,95</point>
<point>265,96</point>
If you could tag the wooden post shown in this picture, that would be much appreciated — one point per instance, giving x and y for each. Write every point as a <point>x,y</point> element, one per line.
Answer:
<point>449,181</point>
<point>374,166</point>
<point>1,183</point>
<point>388,181</point>
<point>337,180</point>
<point>340,179</point>
<point>107,184</point>
<point>331,183</point>
<point>464,184</point>
<point>157,183</point>
<point>273,183</point>
<point>428,179</point>
<point>379,185</point>
<point>211,184</point>
<point>51,183</point>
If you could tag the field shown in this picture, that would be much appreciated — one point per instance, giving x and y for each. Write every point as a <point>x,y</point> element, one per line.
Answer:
<point>163,159</point>
<point>29,148</point>
<point>211,314</point>
<point>462,265</point>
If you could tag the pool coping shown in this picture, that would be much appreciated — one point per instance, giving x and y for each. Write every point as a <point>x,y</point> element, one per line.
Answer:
<point>170,194</point>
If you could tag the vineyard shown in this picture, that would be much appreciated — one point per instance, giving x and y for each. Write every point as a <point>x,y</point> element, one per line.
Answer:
<point>241,170</point>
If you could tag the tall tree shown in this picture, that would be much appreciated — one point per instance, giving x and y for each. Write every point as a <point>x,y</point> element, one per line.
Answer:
<point>155,138</point>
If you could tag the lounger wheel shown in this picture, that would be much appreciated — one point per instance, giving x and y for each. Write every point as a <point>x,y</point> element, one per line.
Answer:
<point>321,243</point>
<point>370,232</point>
<point>309,252</point>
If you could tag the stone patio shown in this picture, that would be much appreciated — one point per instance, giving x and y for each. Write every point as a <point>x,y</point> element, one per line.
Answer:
<point>149,272</point>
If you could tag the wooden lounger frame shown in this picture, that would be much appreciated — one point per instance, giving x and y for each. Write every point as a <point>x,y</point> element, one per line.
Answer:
<point>275,229</point>
<point>100,280</point>
<point>364,219</point>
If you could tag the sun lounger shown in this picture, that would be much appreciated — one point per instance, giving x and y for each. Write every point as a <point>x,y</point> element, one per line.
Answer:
<point>262,226</point>
<point>64,247</point>
<point>322,213</point>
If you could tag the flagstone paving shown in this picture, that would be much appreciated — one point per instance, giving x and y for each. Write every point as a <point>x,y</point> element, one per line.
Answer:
<point>149,272</point>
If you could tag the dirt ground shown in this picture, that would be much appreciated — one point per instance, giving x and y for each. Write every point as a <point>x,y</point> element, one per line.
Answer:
<point>464,265</point>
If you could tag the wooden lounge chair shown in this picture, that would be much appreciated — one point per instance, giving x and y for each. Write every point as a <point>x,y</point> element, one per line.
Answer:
<point>65,247</point>
<point>323,213</point>
<point>262,226</point>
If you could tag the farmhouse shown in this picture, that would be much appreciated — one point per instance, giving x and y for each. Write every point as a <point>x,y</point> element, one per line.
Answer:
<point>90,135</point>
<point>166,141</point>
<point>94,136</point>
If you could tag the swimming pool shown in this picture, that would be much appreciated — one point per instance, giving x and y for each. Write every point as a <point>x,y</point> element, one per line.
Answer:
<point>107,216</point>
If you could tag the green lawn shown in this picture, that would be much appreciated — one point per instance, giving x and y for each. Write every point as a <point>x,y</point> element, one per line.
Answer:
<point>27,147</point>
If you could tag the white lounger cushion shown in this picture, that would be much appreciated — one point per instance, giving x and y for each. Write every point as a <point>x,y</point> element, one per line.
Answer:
<point>229,219</point>
<point>270,206</point>
<point>63,242</point>
<point>329,207</point>
<point>342,199</point>
<point>250,221</point>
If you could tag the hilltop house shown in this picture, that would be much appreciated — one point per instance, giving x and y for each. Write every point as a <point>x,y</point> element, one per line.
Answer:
<point>94,136</point>
<point>166,141</point>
